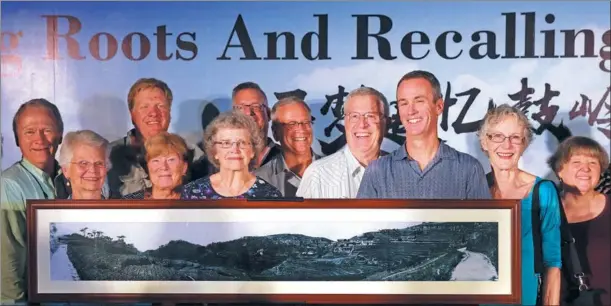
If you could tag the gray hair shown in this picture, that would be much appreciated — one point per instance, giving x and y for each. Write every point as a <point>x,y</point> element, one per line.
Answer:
<point>289,101</point>
<point>421,74</point>
<point>82,137</point>
<point>232,120</point>
<point>368,91</point>
<point>496,115</point>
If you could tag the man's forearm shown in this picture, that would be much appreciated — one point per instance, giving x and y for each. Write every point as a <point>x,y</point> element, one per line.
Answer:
<point>13,256</point>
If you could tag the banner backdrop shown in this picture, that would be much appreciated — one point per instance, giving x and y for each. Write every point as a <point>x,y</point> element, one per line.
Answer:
<point>551,59</point>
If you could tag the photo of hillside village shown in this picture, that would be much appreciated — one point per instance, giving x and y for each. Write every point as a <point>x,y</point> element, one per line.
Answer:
<point>448,251</point>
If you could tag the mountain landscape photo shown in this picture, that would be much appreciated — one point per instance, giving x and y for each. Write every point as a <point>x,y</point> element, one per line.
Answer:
<point>446,251</point>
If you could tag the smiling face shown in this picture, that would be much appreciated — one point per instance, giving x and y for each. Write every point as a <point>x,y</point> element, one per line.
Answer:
<point>364,123</point>
<point>504,143</point>
<point>252,103</point>
<point>38,135</point>
<point>167,170</point>
<point>293,128</point>
<point>87,169</point>
<point>233,149</point>
<point>151,112</point>
<point>418,108</point>
<point>581,171</point>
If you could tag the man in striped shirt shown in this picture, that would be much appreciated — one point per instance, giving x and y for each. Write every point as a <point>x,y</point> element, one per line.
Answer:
<point>339,175</point>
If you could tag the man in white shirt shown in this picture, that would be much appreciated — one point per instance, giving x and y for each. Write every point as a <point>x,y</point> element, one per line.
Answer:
<point>339,175</point>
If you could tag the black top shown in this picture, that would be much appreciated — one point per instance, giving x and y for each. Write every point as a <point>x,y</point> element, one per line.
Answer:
<point>593,245</point>
<point>202,189</point>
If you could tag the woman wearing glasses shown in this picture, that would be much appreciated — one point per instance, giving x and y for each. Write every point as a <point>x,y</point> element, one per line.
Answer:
<point>166,164</point>
<point>231,142</point>
<point>84,159</point>
<point>504,136</point>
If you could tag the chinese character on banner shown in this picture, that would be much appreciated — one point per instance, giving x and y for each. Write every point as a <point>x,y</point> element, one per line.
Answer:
<point>298,93</point>
<point>395,128</point>
<point>597,115</point>
<point>546,112</point>
<point>459,126</point>
<point>335,103</point>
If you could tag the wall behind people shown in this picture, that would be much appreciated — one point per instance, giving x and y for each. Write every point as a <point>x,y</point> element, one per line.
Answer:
<point>199,50</point>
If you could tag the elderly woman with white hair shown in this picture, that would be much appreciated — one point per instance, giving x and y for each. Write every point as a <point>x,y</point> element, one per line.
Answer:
<point>504,135</point>
<point>84,160</point>
<point>232,142</point>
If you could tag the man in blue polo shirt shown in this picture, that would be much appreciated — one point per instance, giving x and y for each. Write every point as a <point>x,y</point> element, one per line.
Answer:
<point>38,129</point>
<point>424,167</point>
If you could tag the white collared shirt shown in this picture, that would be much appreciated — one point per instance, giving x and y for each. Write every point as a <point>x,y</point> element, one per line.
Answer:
<point>335,176</point>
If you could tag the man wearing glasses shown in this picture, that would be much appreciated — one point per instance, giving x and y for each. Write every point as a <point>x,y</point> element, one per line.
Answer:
<point>424,167</point>
<point>339,175</point>
<point>250,99</point>
<point>292,126</point>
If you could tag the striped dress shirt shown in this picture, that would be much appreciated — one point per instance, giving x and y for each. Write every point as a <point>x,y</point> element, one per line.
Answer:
<point>335,176</point>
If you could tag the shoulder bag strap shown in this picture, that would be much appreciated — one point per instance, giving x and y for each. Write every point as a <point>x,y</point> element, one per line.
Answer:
<point>566,237</point>
<point>536,229</point>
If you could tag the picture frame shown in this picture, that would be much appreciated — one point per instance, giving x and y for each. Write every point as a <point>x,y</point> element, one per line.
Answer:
<point>330,251</point>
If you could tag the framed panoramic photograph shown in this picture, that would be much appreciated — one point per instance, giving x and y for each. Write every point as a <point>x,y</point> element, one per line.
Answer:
<point>344,251</point>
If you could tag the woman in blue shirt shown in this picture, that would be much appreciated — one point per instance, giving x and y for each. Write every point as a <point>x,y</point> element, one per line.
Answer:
<point>504,135</point>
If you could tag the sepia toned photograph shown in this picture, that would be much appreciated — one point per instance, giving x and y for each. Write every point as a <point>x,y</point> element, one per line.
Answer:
<point>280,251</point>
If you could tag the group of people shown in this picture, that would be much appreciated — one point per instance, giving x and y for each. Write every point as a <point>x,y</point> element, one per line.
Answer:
<point>237,159</point>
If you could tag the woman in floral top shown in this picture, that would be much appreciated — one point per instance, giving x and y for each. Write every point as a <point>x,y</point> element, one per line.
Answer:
<point>232,142</point>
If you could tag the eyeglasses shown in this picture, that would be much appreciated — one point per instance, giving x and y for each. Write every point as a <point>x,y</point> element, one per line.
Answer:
<point>84,165</point>
<point>249,107</point>
<point>371,117</point>
<point>500,138</point>
<point>226,144</point>
<point>294,124</point>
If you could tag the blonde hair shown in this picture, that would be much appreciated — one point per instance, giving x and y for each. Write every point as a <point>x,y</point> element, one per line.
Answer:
<point>496,115</point>
<point>232,120</point>
<point>576,145</point>
<point>165,143</point>
<point>148,83</point>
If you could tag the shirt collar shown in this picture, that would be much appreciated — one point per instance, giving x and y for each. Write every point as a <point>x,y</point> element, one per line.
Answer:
<point>38,172</point>
<point>131,137</point>
<point>443,152</point>
<point>353,164</point>
<point>279,164</point>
